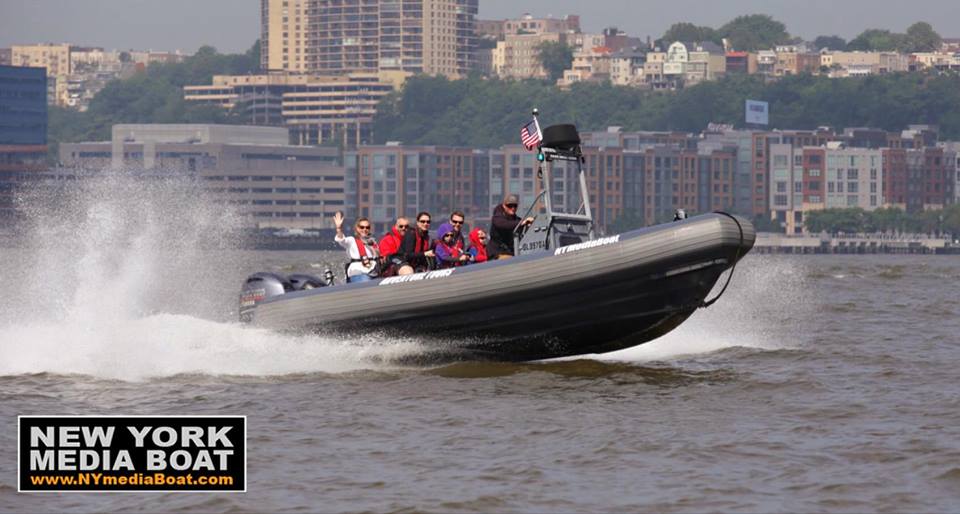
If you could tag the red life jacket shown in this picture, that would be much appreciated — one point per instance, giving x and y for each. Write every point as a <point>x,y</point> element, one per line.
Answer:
<point>422,244</point>
<point>362,248</point>
<point>390,244</point>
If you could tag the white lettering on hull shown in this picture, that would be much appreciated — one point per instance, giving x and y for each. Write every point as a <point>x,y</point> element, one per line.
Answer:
<point>603,241</point>
<point>440,273</point>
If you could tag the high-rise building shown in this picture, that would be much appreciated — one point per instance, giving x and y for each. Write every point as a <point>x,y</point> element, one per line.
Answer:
<point>23,130</point>
<point>336,37</point>
<point>283,31</point>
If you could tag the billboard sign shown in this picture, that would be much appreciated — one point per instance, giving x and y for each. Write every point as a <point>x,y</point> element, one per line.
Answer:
<point>758,112</point>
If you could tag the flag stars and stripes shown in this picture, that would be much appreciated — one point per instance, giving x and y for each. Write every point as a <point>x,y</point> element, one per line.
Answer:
<point>530,135</point>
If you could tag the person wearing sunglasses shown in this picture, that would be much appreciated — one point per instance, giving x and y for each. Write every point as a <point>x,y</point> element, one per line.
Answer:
<point>415,248</point>
<point>456,221</point>
<point>448,248</point>
<point>502,225</point>
<point>390,253</point>
<point>361,248</point>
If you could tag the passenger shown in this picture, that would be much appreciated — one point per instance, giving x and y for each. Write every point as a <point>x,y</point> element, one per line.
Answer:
<point>478,245</point>
<point>449,250</point>
<point>502,225</point>
<point>415,248</point>
<point>456,220</point>
<point>390,253</point>
<point>361,248</point>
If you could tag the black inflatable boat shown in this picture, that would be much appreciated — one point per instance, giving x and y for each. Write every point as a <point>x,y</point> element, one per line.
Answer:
<point>567,292</point>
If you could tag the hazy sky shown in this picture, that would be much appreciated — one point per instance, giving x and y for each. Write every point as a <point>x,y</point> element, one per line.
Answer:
<point>233,25</point>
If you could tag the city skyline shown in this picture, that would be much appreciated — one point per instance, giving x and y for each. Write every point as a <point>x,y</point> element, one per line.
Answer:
<point>142,24</point>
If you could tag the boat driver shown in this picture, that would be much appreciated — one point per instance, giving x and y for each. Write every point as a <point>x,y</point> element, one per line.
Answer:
<point>502,225</point>
<point>361,248</point>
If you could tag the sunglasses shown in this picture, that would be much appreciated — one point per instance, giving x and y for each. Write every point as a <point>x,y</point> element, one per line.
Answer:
<point>401,227</point>
<point>423,221</point>
<point>455,222</point>
<point>363,227</point>
<point>511,206</point>
<point>447,235</point>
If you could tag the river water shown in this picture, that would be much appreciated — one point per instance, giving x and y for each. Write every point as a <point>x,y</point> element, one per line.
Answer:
<point>817,383</point>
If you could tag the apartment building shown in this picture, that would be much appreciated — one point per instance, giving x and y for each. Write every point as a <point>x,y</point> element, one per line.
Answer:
<point>929,182</point>
<point>386,181</point>
<point>341,37</point>
<point>251,169</point>
<point>316,109</point>
<point>283,35</point>
<point>517,56</point>
<point>951,154</point>
<point>54,57</point>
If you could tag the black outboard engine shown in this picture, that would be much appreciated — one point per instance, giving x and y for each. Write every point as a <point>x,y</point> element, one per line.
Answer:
<point>257,288</point>
<point>301,282</point>
<point>260,286</point>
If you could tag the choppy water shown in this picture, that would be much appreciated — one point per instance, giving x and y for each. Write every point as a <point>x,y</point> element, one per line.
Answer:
<point>818,383</point>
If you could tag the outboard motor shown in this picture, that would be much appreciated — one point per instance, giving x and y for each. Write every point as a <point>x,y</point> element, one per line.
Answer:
<point>257,288</point>
<point>301,282</point>
<point>263,285</point>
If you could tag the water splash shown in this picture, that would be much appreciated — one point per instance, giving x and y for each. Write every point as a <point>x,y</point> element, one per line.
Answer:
<point>767,297</point>
<point>119,277</point>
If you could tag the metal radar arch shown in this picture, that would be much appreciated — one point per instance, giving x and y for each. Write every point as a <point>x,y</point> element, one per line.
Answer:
<point>552,228</point>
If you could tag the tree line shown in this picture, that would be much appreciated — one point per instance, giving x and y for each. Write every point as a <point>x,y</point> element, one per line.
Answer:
<point>489,112</point>
<point>755,32</point>
<point>890,220</point>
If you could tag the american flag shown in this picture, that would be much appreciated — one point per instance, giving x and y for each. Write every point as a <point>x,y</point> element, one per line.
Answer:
<point>530,135</point>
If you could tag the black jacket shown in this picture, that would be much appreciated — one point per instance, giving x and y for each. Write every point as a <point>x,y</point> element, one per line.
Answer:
<point>411,254</point>
<point>501,232</point>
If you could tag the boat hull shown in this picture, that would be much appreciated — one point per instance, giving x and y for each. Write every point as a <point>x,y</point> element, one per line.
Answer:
<point>606,295</point>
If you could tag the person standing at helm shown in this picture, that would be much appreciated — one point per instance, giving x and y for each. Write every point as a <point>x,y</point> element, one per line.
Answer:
<point>502,225</point>
<point>361,248</point>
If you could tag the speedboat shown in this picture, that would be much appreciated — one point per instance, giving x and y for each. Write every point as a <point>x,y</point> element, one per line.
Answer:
<point>567,291</point>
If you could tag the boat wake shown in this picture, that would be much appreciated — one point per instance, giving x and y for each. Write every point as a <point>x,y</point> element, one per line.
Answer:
<point>172,344</point>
